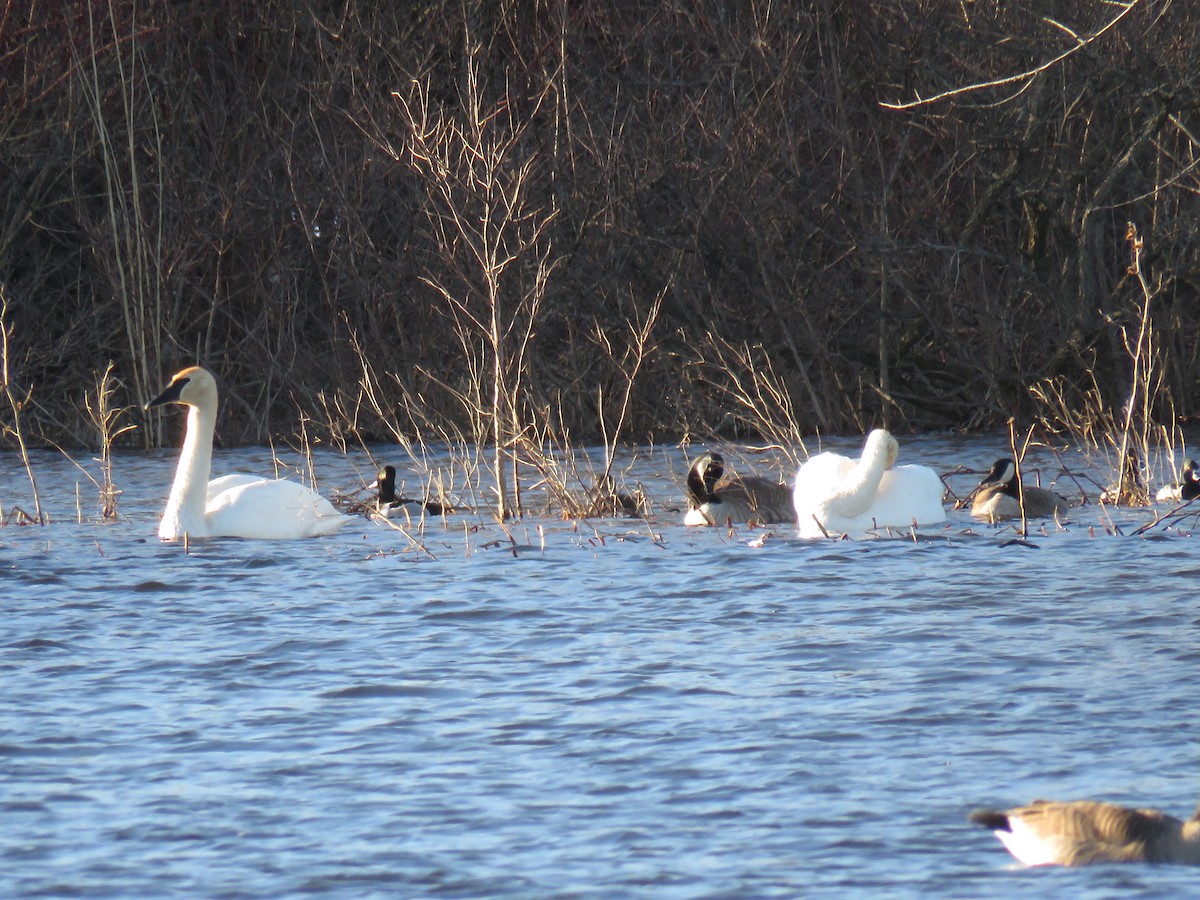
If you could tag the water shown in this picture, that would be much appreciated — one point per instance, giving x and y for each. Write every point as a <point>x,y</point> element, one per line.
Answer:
<point>636,710</point>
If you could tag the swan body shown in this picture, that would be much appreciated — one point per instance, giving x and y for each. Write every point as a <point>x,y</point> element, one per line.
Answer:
<point>233,505</point>
<point>1083,832</point>
<point>715,497</point>
<point>999,496</point>
<point>1188,487</point>
<point>836,494</point>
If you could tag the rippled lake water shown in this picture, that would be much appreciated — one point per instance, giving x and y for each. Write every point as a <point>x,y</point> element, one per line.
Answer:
<point>621,708</point>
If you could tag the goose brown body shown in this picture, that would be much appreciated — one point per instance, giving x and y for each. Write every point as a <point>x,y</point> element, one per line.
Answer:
<point>1083,832</point>
<point>716,497</point>
<point>999,496</point>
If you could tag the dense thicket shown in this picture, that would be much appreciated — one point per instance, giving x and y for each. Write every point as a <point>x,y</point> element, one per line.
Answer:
<point>236,183</point>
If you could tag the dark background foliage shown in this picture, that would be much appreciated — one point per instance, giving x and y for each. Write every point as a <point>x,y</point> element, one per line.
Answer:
<point>226,183</point>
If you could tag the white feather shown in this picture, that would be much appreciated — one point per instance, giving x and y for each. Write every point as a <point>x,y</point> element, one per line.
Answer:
<point>243,506</point>
<point>851,496</point>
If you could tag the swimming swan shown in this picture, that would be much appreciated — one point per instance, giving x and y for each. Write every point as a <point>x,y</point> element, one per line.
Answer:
<point>715,498</point>
<point>857,495</point>
<point>999,497</point>
<point>233,505</point>
<point>1188,487</point>
<point>1082,832</point>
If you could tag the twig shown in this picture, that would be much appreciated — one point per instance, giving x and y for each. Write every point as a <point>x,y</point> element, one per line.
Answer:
<point>1080,43</point>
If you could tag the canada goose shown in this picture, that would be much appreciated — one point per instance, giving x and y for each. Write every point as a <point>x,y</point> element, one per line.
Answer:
<point>715,498</point>
<point>606,499</point>
<point>233,505</point>
<point>388,504</point>
<point>1188,487</point>
<point>997,496</point>
<point>1082,832</point>
<point>835,493</point>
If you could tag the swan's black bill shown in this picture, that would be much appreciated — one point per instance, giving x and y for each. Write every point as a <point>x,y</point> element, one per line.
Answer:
<point>170,394</point>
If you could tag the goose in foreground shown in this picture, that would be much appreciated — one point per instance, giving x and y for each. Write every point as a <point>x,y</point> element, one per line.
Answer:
<point>234,505</point>
<point>1083,832</point>
<point>999,496</point>
<point>389,504</point>
<point>837,494</point>
<point>715,497</point>
<point>1188,487</point>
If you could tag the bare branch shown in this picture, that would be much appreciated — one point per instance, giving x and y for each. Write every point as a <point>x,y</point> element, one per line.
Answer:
<point>1028,74</point>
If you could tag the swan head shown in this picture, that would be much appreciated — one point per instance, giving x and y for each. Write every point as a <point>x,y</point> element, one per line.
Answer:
<point>880,441</point>
<point>703,477</point>
<point>194,386</point>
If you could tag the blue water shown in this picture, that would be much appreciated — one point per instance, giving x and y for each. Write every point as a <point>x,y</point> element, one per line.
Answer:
<point>633,710</point>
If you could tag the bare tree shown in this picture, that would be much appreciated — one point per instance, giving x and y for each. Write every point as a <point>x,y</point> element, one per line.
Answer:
<point>478,167</point>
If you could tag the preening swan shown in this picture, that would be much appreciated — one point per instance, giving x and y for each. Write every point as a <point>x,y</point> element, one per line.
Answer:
<point>999,496</point>
<point>857,495</point>
<point>715,497</point>
<point>1082,832</point>
<point>234,505</point>
<point>1188,487</point>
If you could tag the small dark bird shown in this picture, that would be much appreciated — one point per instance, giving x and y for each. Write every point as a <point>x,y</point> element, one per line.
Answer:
<point>388,504</point>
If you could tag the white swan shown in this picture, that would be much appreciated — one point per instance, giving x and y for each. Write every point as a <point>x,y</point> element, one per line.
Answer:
<point>234,505</point>
<point>1082,832</point>
<point>840,494</point>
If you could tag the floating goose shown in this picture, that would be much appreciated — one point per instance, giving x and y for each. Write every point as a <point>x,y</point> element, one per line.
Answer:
<point>389,504</point>
<point>1188,487</point>
<point>715,498</point>
<point>857,495</point>
<point>234,505</point>
<point>606,499</point>
<point>1082,832</point>
<point>998,496</point>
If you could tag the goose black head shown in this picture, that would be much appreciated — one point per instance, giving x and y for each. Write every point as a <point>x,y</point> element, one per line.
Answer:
<point>704,475</point>
<point>1003,473</point>
<point>387,484</point>
<point>1189,482</point>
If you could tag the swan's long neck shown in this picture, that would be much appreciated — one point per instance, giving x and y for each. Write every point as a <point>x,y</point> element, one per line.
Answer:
<point>857,492</point>
<point>185,506</point>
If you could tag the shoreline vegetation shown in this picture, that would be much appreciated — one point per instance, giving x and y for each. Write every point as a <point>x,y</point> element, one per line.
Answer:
<point>518,229</point>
